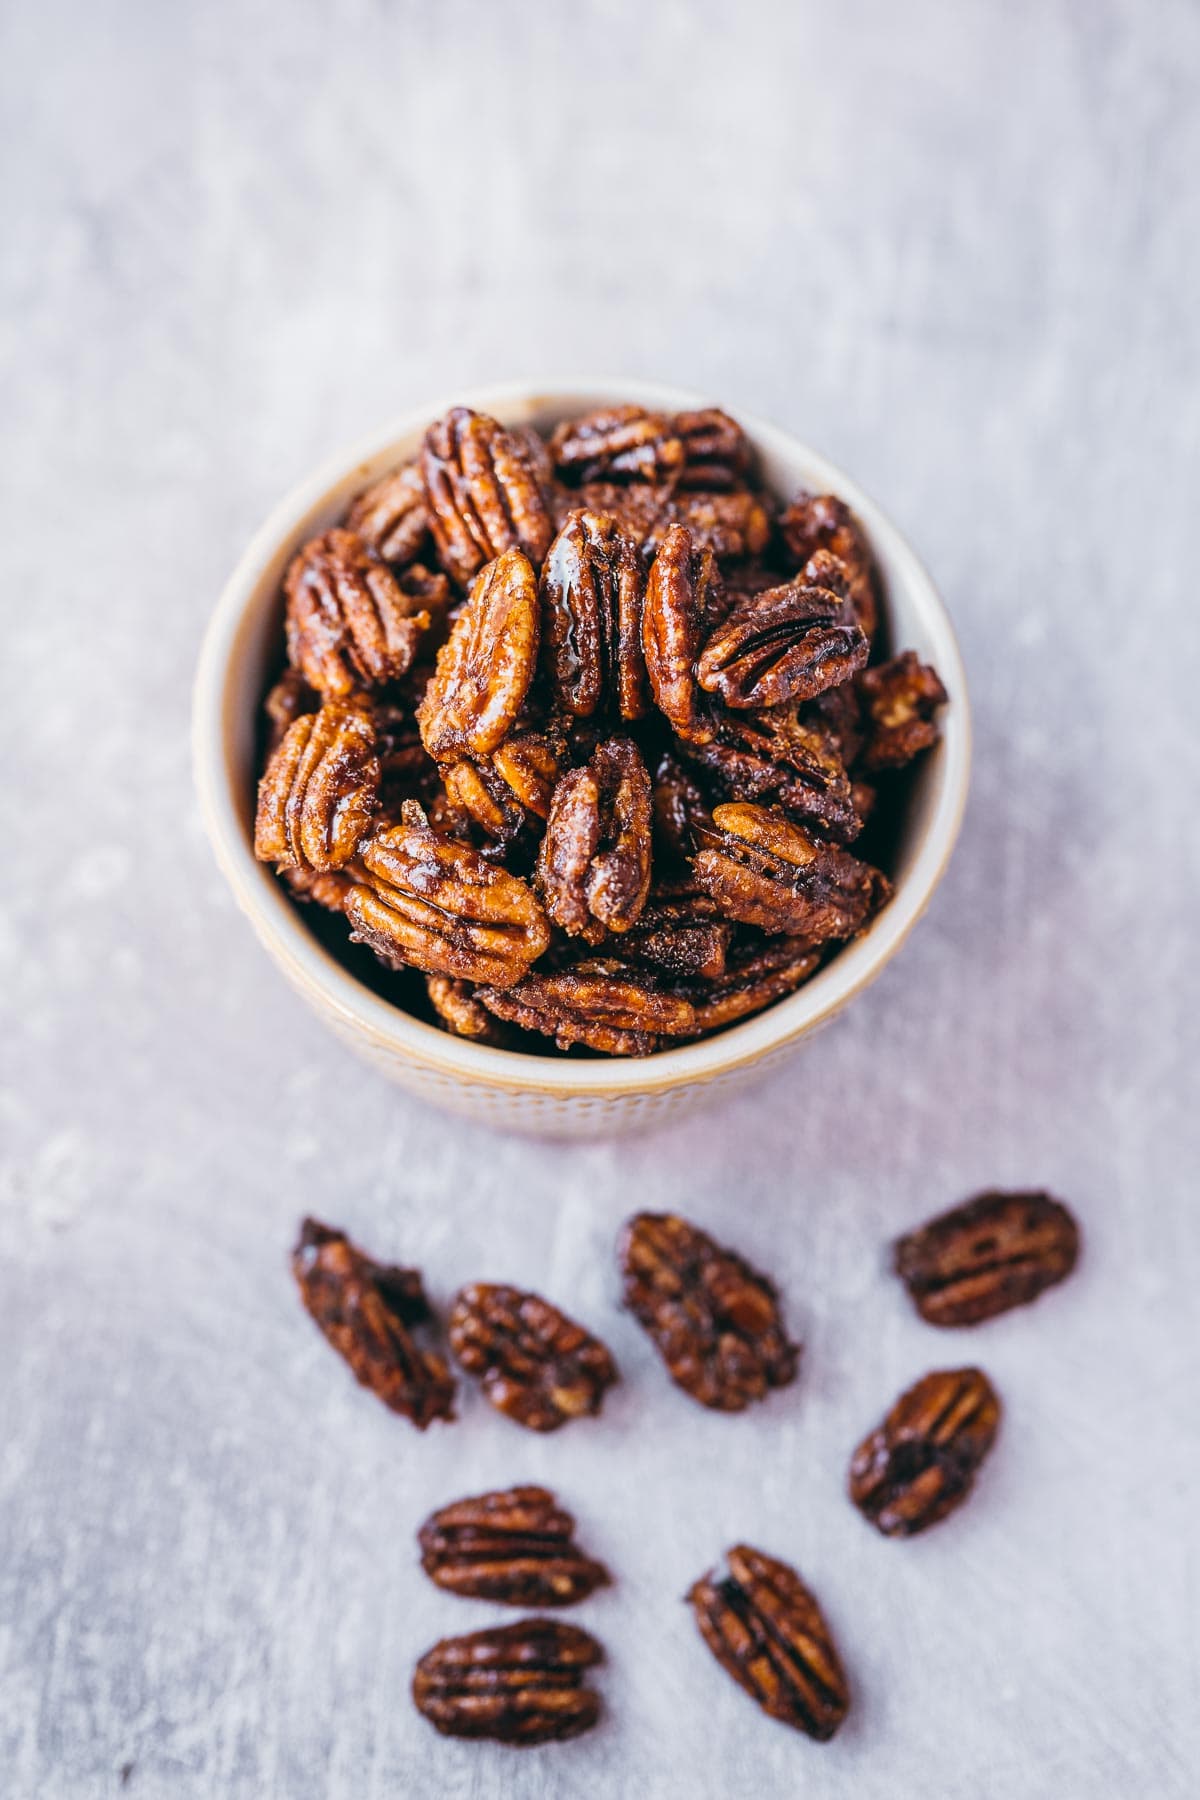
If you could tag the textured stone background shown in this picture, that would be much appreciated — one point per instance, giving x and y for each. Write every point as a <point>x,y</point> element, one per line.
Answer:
<point>956,247</point>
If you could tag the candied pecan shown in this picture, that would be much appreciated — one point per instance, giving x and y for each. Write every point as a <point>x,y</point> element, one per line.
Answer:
<point>732,525</point>
<point>715,1320</point>
<point>288,700</point>
<point>591,592</point>
<point>520,1683</point>
<point>328,890</point>
<point>773,756</point>
<point>607,1005</point>
<point>369,1311</point>
<point>716,450</point>
<point>823,522</point>
<point>516,1548</point>
<point>677,592</point>
<point>537,1366</point>
<point>922,1461</point>
<point>617,443</point>
<point>786,644</point>
<point>636,506</point>
<point>483,492</point>
<point>671,936</point>
<point>763,870</point>
<point>391,515</point>
<point>349,622</point>
<point>319,791</point>
<point>679,807</point>
<point>839,712</point>
<point>438,905</point>
<point>986,1256</point>
<point>766,1629</point>
<point>486,664</point>
<point>756,976</point>
<point>900,698</point>
<point>458,1010</point>
<point>594,865</point>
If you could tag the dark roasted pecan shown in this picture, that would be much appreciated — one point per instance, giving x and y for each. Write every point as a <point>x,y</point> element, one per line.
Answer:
<point>774,756</point>
<point>784,645</point>
<point>756,975</point>
<point>594,865</point>
<point>617,443</point>
<point>369,1311</point>
<point>486,664</point>
<point>922,1461</point>
<point>521,1683</point>
<point>537,1366</point>
<point>591,591</point>
<point>765,1629</point>
<point>677,595</point>
<point>391,515</point>
<point>516,1548</point>
<point>438,905</point>
<point>716,450</point>
<point>994,1252</point>
<point>732,525</point>
<point>715,1320</point>
<point>459,1011</point>
<point>288,700</point>
<point>349,622</point>
<point>899,699</point>
<point>604,1004</point>
<point>484,493</point>
<point>671,935</point>
<point>679,807</point>
<point>823,522</point>
<point>319,791</point>
<point>763,870</point>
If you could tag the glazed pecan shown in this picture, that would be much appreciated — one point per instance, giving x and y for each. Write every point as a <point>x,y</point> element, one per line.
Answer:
<point>899,699</point>
<point>756,975</point>
<point>521,1683</point>
<point>437,905</point>
<point>986,1256</point>
<point>594,865</point>
<point>774,756</point>
<point>637,506</point>
<point>591,591</point>
<point>369,1312</point>
<point>483,492</point>
<point>716,450</point>
<point>327,890</point>
<point>766,1629</point>
<point>516,1548</point>
<point>677,593</point>
<point>784,645</point>
<point>672,935</point>
<point>349,622</point>
<point>732,525</point>
<point>458,1010</point>
<point>504,792</point>
<point>922,1461</point>
<point>763,870</point>
<point>319,791</point>
<point>607,1005</point>
<point>537,1366</point>
<point>486,664</point>
<point>715,1320</point>
<point>680,806</point>
<point>823,522</point>
<point>288,700</point>
<point>617,443</point>
<point>391,515</point>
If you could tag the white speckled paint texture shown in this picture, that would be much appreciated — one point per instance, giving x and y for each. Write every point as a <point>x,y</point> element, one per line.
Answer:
<point>954,248</point>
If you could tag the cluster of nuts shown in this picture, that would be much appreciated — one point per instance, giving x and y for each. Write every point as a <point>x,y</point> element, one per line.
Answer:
<point>717,1325</point>
<point>581,730</point>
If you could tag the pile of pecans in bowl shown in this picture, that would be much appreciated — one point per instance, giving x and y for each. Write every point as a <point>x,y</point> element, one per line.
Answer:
<point>581,730</point>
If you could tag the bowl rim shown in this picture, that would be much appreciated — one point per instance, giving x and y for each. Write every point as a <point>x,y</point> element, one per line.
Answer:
<point>395,1033</point>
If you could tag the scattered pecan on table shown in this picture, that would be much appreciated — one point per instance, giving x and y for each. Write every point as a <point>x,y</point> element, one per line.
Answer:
<point>520,1684</point>
<point>537,1366</point>
<point>992,1253</point>
<point>921,1462</point>
<point>643,704</point>
<point>517,1548</point>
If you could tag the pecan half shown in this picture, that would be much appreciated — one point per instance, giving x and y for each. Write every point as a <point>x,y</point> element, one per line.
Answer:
<point>680,806</point>
<point>288,700</point>
<point>486,664</point>
<point>349,622</point>
<point>319,790</point>
<point>986,1256</point>
<point>328,890</point>
<point>594,864</point>
<point>591,591</point>
<point>766,1629</point>
<point>899,699</point>
<point>673,936</point>
<point>369,1312</point>
<point>775,756</point>
<point>391,515</point>
<point>716,450</point>
<point>516,1548</point>
<point>823,522</point>
<point>677,594</point>
<point>715,1321</point>
<point>537,1366</point>
<point>521,1684</point>
<point>757,975</point>
<point>504,792</point>
<point>637,506</point>
<point>458,1010</point>
<point>607,1005</point>
<point>617,443</point>
<point>783,645</point>
<point>484,494</point>
<point>732,525</point>
<point>763,870</point>
<point>438,905</point>
<point>922,1461</point>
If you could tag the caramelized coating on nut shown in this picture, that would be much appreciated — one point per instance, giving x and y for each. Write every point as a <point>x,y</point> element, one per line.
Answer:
<point>391,515</point>
<point>537,1366</point>
<point>591,593</point>
<point>922,1461</point>
<point>486,664</point>
<point>900,699</point>
<point>516,1548</point>
<point>677,594</point>
<point>594,865</point>
<point>787,644</point>
<point>601,1003</point>
<point>617,443</point>
<point>319,791</point>
<point>349,622</point>
<point>764,870</point>
<point>816,522</point>
<point>483,492</point>
<point>520,1684</point>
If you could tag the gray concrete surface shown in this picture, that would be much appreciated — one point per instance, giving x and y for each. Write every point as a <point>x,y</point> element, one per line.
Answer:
<point>956,247</point>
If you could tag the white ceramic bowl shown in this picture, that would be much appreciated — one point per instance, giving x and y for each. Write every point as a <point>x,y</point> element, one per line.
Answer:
<point>553,1095</point>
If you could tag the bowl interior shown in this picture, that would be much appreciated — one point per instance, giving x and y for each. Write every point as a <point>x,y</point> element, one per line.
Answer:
<point>242,648</point>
